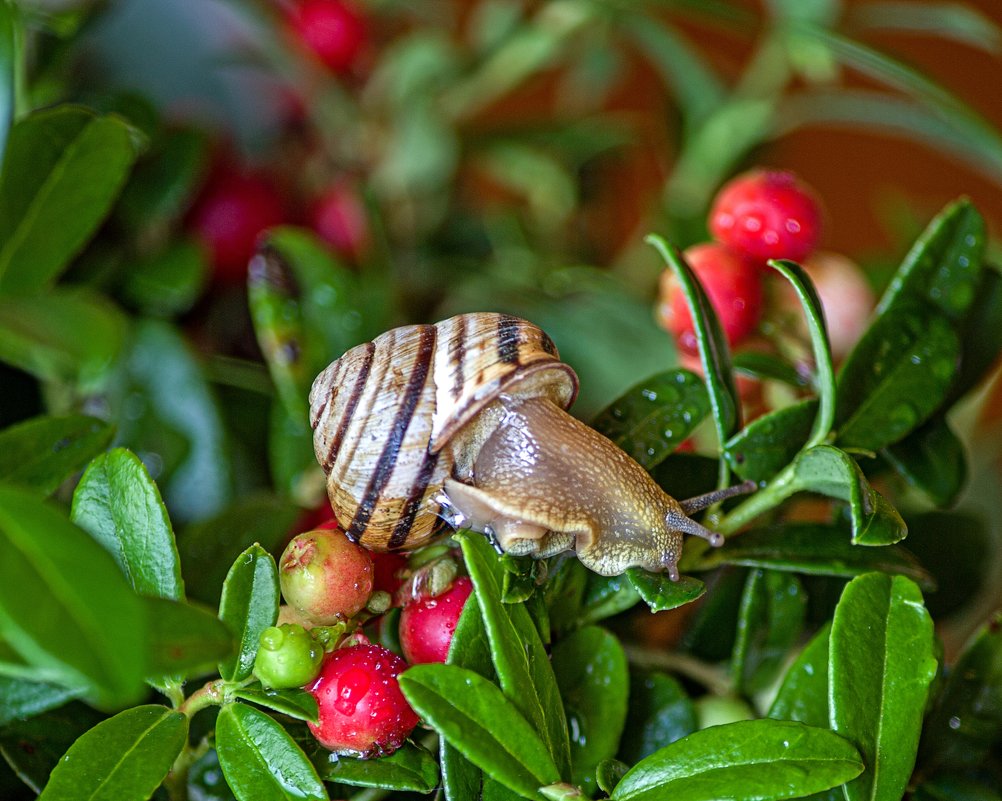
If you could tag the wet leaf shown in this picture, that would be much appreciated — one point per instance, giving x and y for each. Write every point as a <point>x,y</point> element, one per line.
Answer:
<point>410,768</point>
<point>23,698</point>
<point>659,713</point>
<point>932,459</point>
<point>769,443</point>
<point>661,593</point>
<point>294,702</point>
<point>249,605</point>
<point>803,695</point>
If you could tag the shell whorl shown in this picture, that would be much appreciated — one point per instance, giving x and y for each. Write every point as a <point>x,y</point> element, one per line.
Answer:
<point>386,413</point>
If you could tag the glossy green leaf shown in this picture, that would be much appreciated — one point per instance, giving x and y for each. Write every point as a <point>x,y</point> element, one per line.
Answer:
<point>119,505</point>
<point>814,549</point>
<point>770,442</point>
<point>184,639</point>
<point>772,613</point>
<point>41,453</point>
<point>605,596</point>
<point>522,664</point>
<point>64,604</point>
<point>965,722</point>
<point>932,459</point>
<point>410,768</point>
<point>294,702</point>
<point>980,335</point>
<point>9,53</point>
<point>803,695</point>
<point>895,378</point>
<point>23,698</point>
<point>654,417</point>
<point>591,671</point>
<point>881,664</point>
<point>609,773</point>
<point>169,282</point>
<point>208,548</point>
<point>124,758</point>
<point>40,334</point>
<point>260,761</point>
<point>661,593</point>
<point>747,760</point>
<point>564,593</point>
<point>63,169</point>
<point>484,725</point>
<point>659,713</point>
<point>713,351</point>
<point>249,605</point>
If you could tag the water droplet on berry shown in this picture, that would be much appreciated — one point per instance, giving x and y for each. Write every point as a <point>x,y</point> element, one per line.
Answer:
<point>352,687</point>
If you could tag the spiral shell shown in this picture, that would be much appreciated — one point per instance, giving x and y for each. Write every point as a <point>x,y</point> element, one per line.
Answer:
<point>393,418</point>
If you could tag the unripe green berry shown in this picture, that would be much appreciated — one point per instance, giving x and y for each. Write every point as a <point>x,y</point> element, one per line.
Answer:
<point>287,656</point>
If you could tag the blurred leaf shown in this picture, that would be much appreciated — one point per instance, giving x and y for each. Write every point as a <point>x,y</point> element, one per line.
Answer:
<point>117,503</point>
<point>946,20</point>
<point>249,605</point>
<point>659,713</point>
<point>21,698</point>
<point>549,188</point>
<point>711,633</point>
<point>605,596</point>
<point>773,608</point>
<point>125,757</point>
<point>609,773</point>
<point>770,442</point>
<point>480,722</point>
<point>591,671</point>
<point>260,760</point>
<point>957,788</point>
<point>410,768</point>
<point>64,604</point>
<point>41,453</point>
<point>291,459</point>
<point>660,593</point>
<point>747,760</point>
<point>767,366</point>
<point>63,170</point>
<point>185,639</point>
<point>932,458</point>
<point>41,334</point>
<point>803,695</point>
<point>206,781</point>
<point>686,475</point>
<point>881,665</point>
<point>9,54</point>
<point>655,416</point>
<point>980,335</point>
<point>209,547</point>
<point>294,702</point>
<point>169,282</point>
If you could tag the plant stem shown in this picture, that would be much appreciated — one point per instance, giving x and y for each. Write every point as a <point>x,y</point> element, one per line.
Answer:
<point>713,678</point>
<point>770,496</point>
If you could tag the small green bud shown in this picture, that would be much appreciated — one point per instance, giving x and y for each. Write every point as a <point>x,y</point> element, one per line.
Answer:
<point>287,657</point>
<point>379,602</point>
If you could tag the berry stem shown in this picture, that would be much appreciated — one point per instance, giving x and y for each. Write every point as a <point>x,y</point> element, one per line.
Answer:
<point>713,678</point>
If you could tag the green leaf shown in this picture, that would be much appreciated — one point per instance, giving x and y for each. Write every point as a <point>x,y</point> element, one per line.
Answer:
<point>751,759</point>
<point>609,773</point>
<point>41,453</point>
<point>169,282</point>
<point>949,787</point>
<point>475,718</point>
<point>605,596</point>
<point>803,695</point>
<point>933,459</point>
<point>881,664</point>
<point>767,367</point>
<point>119,505</point>
<point>773,609</point>
<point>63,170</point>
<point>64,604</point>
<point>661,593</point>
<point>659,713</point>
<point>249,605</point>
<point>410,768</point>
<point>9,55</point>
<point>206,781</point>
<point>564,593</point>
<point>965,722</point>
<point>124,758</point>
<point>40,334</point>
<point>654,417</point>
<point>522,664</point>
<point>814,549</point>
<point>980,335</point>
<point>895,378</point>
<point>947,20</point>
<point>769,443</point>
<point>713,351</point>
<point>21,698</point>
<point>260,760</point>
<point>185,639</point>
<point>294,702</point>
<point>590,667</point>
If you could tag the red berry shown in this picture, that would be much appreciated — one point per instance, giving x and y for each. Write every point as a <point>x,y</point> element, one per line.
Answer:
<point>330,29</point>
<point>767,214</point>
<point>733,285</point>
<point>388,567</point>
<point>325,576</point>
<point>362,710</point>
<point>339,217</point>
<point>427,624</point>
<point>232,211</point>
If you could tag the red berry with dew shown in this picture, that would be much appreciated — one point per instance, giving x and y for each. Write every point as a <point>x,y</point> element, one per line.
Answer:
<point>733,285</point>
<point>362,710</point>
<point>767,214</point>
<point>333,31</point>
<point>428,623</point>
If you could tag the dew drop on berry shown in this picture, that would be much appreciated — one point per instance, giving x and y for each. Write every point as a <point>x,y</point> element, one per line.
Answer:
<point>351,689</point>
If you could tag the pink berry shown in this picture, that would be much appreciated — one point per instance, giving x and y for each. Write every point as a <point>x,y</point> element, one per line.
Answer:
<point>767,214</point>
<point>733,285</point>
<point>325,576</point>
<point>228,217</point>
<point>339,217</point>
<point>362,710</point>
<point>427,624</point>
<point>330,29</point>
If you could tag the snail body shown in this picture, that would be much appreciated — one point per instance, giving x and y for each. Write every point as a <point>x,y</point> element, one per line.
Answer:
<point>466,421</point>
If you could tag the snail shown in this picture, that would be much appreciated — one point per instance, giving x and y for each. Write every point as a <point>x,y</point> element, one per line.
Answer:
<point>465,421</point>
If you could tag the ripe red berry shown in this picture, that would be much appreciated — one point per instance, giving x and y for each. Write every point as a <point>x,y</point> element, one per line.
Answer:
<point>362,710</point>
<point>733,285</point>
<point>767,214</point>
<point>325,576</point>
<point>427,624</point>
<point>230,214</point>
<point>330,29</point>
<point>339,217</point>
